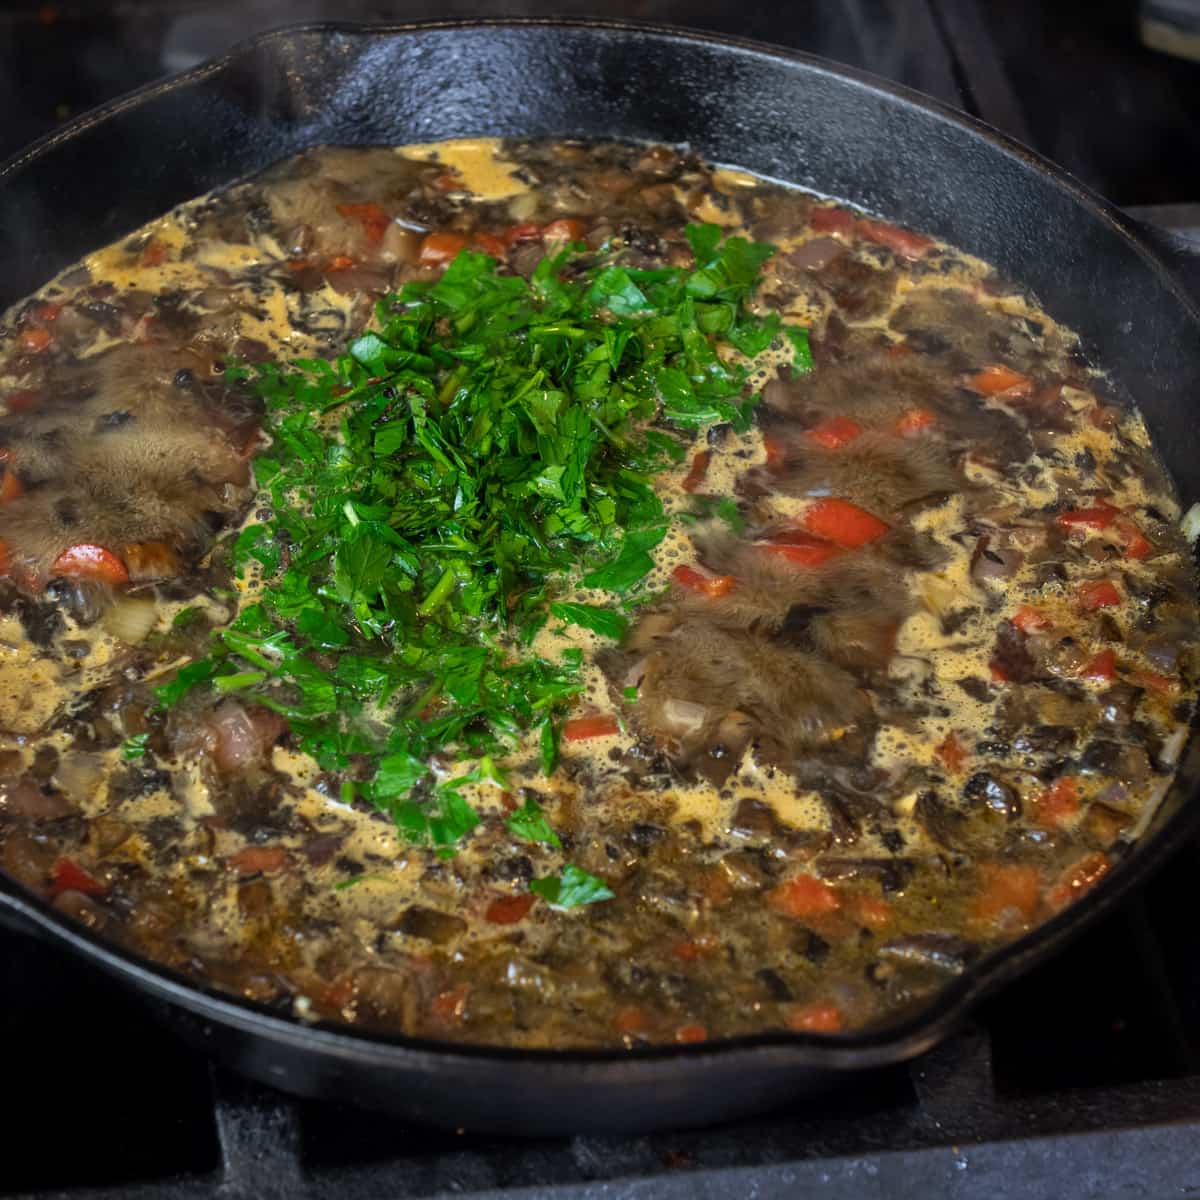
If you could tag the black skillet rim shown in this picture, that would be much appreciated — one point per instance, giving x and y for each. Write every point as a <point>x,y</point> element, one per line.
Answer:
<point>880,1046</point>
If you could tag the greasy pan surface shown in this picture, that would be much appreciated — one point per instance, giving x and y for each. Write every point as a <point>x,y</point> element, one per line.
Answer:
<point>786,116</point>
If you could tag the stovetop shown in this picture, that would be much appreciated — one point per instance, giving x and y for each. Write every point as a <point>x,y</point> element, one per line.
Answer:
<point>1081,1080</point>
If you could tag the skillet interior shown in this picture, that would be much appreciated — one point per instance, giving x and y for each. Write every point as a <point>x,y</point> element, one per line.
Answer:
<point>790,117</point>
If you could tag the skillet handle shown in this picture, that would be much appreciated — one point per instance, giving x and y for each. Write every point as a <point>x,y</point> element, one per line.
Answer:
<point>1174,231</point>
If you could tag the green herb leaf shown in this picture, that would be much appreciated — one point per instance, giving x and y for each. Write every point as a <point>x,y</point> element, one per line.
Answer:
<point>573,888</point>
<point>589,616</point>
<point>134,747</point>
<point>529,822</point>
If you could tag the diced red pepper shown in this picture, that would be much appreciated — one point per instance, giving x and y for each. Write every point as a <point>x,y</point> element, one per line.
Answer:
<point>24,400</point>
<point>1029,620</point>
<point>818,1017</point>
<point>448,1007</point>
<point>489,243</point>
<point>47,313</point>
<point>1058,803</point>
<point>69,876</point>
<point>1100,516</point>
<point>631,1019</point>
<point>903,241</point>
<point>1077,879</point>
<point>872,911</point>
<point>799,548</point>
<point>342,262</point>
<point>1137,545</point>
<point>951,753</point>
<point>1097,593</point>
<point>916,421</point>
<point>803,896</point>
<point>998,380</point>
<point>1154,682</point>
<point>254,860</point>
<point>1102,668</point>
<point>688,1034</point>
<point>154,255</point>
<point>565,229</point>
<point>508,910</point>
<point>88,561</point>
<point>828,219</point>
<point>526,231</point>
<point>1006,886</point>
<point>10,486</point>
<point>370,216</point>
<point>703,583</point>
<point>437,249</point>
<point>699,468</point>
<point>776,452</point>
<point>34,339</point>
<point>843,523</point>
<point>835,432</point>
<point>580,729</point>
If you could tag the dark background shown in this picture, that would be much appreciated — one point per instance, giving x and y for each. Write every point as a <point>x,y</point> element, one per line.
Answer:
<point>1067,77</point>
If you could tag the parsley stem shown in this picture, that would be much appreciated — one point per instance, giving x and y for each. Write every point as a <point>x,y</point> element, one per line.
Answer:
<point>440,594</point>
<point>238,682</point>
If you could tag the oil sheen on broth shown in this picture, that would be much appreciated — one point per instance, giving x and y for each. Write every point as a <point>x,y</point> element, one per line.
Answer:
<point>909,673</point>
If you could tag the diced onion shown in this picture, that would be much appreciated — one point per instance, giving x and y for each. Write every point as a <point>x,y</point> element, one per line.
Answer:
<point>1191,524</point>
<point>130,619</point>
<point>78,776</point>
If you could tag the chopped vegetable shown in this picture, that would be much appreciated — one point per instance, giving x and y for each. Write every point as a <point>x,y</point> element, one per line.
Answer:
<point>86,561</point>
<point>703,582</point>
<point>581,729</point>
<point>998,380</point>
<point>699,468</point>
<point>835,432</point>
<point>803,896</point>
<point>69,876</point>
<point>438,249</point>
<point>1005,886</point>
<point>573,888</point>
<point>1096,594</point>
<point>1077,879</point>
<point>508,910</point>
<point>843,523</point>
<point>818,1017</point>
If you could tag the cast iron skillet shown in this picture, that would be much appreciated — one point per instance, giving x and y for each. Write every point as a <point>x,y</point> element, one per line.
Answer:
<point>785,115</point>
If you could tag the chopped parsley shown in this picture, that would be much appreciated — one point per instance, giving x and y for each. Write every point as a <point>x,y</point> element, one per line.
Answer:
<point>434,490</point>
<point>574,887</point>
<point>134,747</point>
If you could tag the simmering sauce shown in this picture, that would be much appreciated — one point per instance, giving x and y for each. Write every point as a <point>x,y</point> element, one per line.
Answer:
<point>858,638</point>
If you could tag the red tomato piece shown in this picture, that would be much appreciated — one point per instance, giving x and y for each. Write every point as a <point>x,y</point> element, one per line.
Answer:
<point>1058,803</point>
<point>998,673</point>
<point>88,561</point>
<point>34,339</point>
<point>703,583</point>
<point>1098,593</point>
<point>697,471</point>
<point>508,910</point>
<point>818,1017</point>
<point>1029,620</point>
<point>803,896</point>
<point>46,313</point>
<point>688,1034</point>
<point>843,523</point>
<point>799,548</point>
<point>915,421</point>
<point>1077,879</point>
<point>580,729</point>
<point>1102,668</point>
<point>835,432</point>
<point>489,243</point>
<point>69,876</point>
<point>438,249</point>
<point>526,231</point>
<point>565,229</point>
<point>370,216</point>
<point>1006,886</point>
<point>902,241</point>
<point>255,860</point>
<point>951,753</point>
<point>998,380</point>
<point>829,219</point>
<point>341,262</point>
<point>871,911</point>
